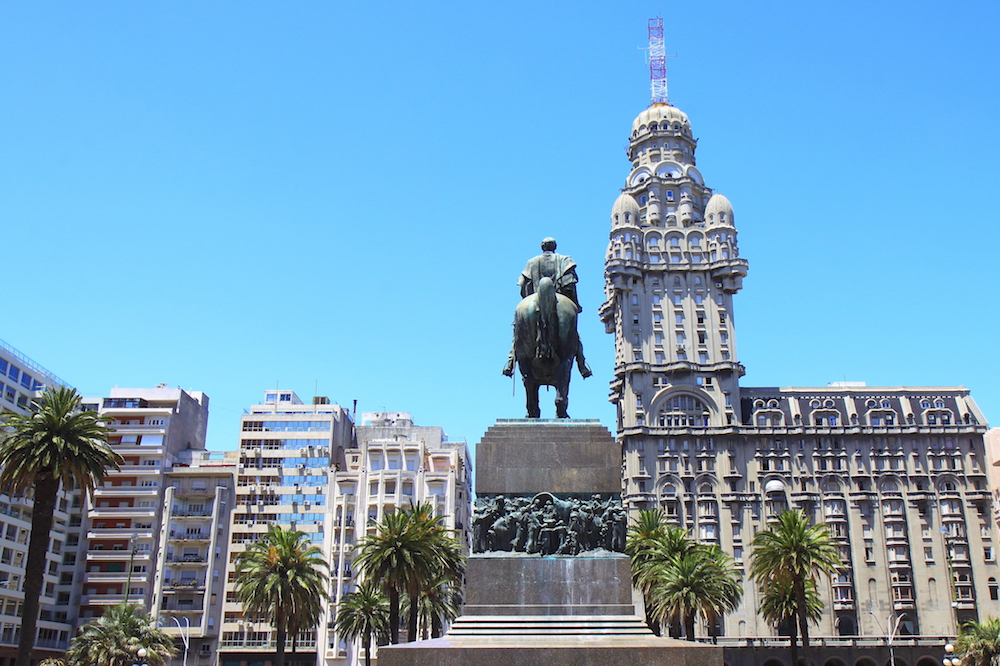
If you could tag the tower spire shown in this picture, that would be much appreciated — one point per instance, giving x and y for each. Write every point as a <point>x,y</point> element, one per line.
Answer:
<point>657,62</point>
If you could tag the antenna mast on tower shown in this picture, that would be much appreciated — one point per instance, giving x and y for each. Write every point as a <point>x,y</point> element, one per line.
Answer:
<point>657,61</point>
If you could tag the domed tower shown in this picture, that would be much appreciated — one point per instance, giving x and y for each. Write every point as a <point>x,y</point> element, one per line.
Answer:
<point>672,268</point>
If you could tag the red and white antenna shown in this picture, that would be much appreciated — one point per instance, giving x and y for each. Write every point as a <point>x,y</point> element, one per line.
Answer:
<point>657,61</point>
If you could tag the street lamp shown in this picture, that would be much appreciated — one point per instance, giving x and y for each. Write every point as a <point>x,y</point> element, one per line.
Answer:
<point>141,654</point>
<point>950,659</point>
<point>890,635</point>
<point>185,631</point>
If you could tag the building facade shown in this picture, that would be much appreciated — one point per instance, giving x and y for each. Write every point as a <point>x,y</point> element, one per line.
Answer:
<point>393,463</point>
<point>121,547</point>
<point>288,452</point>
<point>21,381</point>
<point>898,473</point>
<point>189,585</point>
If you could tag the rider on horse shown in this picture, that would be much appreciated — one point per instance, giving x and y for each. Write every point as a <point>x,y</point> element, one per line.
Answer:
<point>562,270</point>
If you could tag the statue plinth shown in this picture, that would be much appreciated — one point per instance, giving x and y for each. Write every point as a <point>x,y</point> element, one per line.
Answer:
<point>525,609</point>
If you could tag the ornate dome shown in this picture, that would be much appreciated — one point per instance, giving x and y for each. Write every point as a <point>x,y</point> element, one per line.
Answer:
<point>659,113</point>
<point>719,211</point>
<point>625,210</point>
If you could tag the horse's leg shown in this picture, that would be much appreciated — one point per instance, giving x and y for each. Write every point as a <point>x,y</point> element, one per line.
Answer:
<point>562,388</point>
<point>531,398</point>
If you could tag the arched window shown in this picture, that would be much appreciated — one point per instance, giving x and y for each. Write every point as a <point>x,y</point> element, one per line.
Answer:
<point>683,410</point>
<point>994,589</point>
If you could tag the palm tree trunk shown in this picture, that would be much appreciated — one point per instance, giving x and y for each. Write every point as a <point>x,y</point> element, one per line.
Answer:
<point>46,490</point>
<point>689,626</point>
<point>651,621</point>
<point>368,648</point>
<point>411,624</point>
<point>436,626</point>
<point>792,633</point>
<point>393,615</point>
<point>802,610</point>
<point>280,634</point>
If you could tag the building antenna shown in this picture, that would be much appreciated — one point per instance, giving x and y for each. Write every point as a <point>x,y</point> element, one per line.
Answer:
<point>658,62</point>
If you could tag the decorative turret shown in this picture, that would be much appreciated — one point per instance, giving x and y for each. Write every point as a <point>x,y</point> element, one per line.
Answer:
<point>672,268</point>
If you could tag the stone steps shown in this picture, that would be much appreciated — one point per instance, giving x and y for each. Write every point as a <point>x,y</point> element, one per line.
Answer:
<point>541,625</point>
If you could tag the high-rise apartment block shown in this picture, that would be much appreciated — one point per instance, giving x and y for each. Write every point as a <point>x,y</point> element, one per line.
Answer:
<point>21,381</point>
<point>189,586</point>
<point>151,429</point>
<point>287,452</point>
<point>898,473</point>
<point>305,466</point>
<point>393,463</point>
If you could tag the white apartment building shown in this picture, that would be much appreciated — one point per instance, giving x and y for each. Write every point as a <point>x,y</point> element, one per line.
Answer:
<point>22,380</point>
<point>287,453</point>
<point>189,585</point>
<point>121,549</point>
<point>394,463</point>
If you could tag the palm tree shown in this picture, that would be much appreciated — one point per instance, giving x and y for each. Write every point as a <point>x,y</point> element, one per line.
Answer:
<point>438,602</point>
<point>363,614</point>
<point>701,581</point>
<point>678,577</point>
<point>778,606</point>
<point>978,643</point>
<point>793,552</point>
<point>281,577</point>
<point>650,542</point>
<point>55,446</point>
<point>409,548</point>
<point>115,638</point>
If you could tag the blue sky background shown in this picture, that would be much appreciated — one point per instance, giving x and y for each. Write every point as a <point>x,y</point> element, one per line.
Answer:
<point>233,196</point>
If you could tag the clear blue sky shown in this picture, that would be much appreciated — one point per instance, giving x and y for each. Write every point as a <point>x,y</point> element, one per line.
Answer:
<point>230,196</point>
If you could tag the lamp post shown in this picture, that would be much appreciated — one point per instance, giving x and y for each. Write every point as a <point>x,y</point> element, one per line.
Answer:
<point>140,657</point>
<point>890,635</point>
<point>950,659</point>
<point>133,543</point>
<point>185,631</point>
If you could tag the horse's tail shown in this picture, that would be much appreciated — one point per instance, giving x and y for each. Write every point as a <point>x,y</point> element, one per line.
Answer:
<point>547,331</point>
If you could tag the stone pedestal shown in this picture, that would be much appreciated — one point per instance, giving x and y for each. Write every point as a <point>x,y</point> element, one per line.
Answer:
<point>528,610</point>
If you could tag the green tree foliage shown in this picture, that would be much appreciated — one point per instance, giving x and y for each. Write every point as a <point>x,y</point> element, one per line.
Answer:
<point>409,549</point>
<point>114,639</point>
<point>978,643</point>
<point>793,553</point>
<point>282,577</point>
<point>778,605</point>
<point>438,602</point>
<point>364,614</point>
<point>678,577</point>
<point>55,446</point>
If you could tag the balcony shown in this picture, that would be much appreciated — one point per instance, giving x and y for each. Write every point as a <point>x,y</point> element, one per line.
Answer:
<point>190,536</point>
<point>128,491</point>
<point>112,599</point>
<point>184,584</point>
<point>122,512</point>
<point>119,533</point>
<point>99,555</point>
<point>186,559</point>
<point>184,513</point>
<point>175,609</point>
<point>114,577</point>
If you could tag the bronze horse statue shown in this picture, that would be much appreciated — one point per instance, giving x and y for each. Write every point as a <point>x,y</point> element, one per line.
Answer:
<point>545,344</point>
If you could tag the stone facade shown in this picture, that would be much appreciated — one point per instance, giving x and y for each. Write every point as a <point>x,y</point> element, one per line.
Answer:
<point>898,473</point>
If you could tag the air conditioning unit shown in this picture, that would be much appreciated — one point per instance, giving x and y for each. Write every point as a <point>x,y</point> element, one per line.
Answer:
<point>307,504</point>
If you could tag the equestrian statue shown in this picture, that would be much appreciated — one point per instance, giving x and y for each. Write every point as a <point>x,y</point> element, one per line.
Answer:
<point>545,337</point>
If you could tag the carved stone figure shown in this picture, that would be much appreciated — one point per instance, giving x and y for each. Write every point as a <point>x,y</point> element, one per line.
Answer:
<point>546,524</point>
<point>546,341</point>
